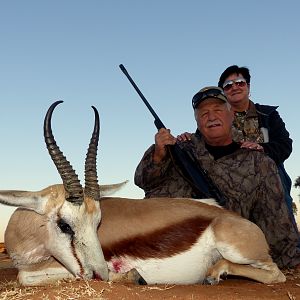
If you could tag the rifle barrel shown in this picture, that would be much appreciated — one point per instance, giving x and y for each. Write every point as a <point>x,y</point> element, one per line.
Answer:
<point>157,119</point>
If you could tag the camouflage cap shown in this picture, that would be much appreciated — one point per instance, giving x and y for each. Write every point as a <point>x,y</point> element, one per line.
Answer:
<point>208,92</point>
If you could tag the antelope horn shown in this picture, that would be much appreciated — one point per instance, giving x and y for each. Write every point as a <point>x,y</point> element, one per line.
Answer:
<point>91,182</point>
<point>74,190</point>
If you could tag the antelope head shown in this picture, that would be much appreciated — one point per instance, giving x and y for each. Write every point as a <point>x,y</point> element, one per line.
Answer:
<point>70,212</point>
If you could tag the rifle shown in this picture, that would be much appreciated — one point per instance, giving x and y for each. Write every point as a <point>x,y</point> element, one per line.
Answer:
<point>190,168</point>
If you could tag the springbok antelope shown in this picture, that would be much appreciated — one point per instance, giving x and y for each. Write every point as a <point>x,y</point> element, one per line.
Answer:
<point>55,233</point>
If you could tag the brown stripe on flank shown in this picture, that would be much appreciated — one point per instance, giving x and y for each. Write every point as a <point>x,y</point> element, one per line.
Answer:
<point>161,243</point>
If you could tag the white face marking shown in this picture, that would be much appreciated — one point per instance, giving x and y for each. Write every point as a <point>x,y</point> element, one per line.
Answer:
<point>80,252</point>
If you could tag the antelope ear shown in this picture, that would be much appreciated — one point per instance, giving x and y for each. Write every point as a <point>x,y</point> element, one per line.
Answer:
<point>30,200</point>
<point>106,190</point>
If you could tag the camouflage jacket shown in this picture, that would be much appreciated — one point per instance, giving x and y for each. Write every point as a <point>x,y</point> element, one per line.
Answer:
<point>248,179</point>
<point>263,124</point>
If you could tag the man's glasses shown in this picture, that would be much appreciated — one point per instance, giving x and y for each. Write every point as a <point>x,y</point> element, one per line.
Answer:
<point>240,82</point>
<point>207,93</point>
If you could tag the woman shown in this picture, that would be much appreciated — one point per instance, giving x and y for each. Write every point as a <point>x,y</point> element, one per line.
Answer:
<point>257,126</point>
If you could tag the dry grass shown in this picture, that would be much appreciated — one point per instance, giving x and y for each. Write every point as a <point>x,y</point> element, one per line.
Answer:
<point>166,287</point>
<point>11,290</point>
<point>83,290</point>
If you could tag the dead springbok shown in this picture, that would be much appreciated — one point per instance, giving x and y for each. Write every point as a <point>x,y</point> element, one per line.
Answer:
<point>55,233</point>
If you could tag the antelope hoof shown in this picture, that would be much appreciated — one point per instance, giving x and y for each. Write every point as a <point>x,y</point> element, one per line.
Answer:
<point>132,276</point>
<point>224,275</point>
<point>142,281</point>
<point>135,277</point>
<point>210,281</point>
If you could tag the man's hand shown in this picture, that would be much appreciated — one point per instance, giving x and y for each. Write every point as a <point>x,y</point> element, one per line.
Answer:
<point>162,139</point>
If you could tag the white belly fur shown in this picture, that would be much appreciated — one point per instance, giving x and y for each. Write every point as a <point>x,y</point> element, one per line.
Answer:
<point>184,268</point>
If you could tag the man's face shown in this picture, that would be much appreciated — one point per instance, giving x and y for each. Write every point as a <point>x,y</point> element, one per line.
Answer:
<point>214,121</point>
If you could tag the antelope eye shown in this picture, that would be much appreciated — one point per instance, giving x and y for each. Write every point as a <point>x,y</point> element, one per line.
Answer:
<point>65,227</point>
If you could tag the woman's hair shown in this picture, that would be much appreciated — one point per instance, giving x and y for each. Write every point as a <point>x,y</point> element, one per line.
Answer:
<point>234,69</point>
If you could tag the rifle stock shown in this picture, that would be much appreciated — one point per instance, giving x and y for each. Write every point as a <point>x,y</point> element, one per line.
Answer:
<point>190,168</point>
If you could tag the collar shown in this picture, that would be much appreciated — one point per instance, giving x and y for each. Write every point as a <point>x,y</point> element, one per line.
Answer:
<point>250,112</point>
<point>220,151</point>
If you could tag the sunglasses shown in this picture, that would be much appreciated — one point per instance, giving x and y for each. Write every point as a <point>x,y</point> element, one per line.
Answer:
<point>202,95</point>
<point>240,82</point>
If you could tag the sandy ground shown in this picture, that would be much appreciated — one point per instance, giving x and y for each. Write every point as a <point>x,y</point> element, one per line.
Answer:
<point>232,288</point>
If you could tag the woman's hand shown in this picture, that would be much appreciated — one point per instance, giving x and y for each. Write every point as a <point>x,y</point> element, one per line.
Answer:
<point>183,137</point>
<point>252,146</point>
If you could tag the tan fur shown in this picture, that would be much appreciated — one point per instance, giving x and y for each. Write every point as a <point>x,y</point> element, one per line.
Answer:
<point>271,274</point>
<point>147,215</point>
<point>235,231</point>
<point>22,237</point>
<point>90,205</point>
<point>129,225</point>
<point>56,194</point>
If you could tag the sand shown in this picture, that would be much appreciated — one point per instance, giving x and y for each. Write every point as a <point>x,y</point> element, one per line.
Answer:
<point>232,288</point>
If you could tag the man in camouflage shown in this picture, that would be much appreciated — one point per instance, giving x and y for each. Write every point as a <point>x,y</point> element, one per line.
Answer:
<point>248,179</point>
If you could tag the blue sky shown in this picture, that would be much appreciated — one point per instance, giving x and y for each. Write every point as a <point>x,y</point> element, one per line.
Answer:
<point>70,50</point>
